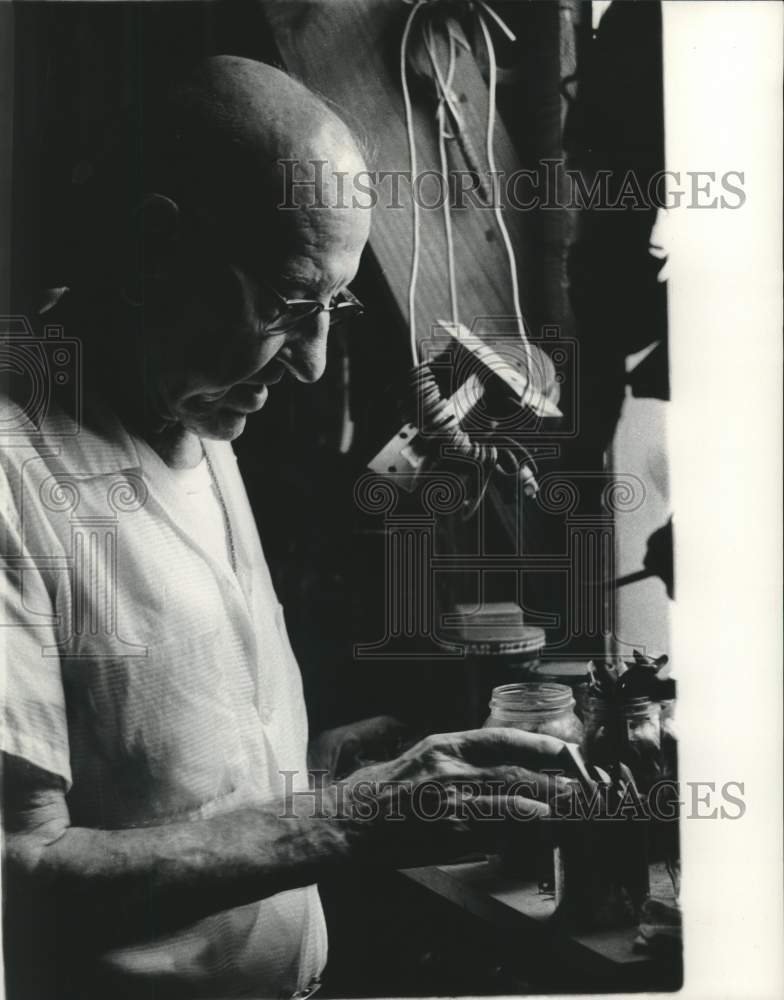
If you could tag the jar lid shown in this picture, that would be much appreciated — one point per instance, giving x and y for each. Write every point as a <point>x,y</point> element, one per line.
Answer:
<point>561,671</point>
<point>494,629</point>
<point>530,643</point>
<point>531,697</point>
<point>635,707</point>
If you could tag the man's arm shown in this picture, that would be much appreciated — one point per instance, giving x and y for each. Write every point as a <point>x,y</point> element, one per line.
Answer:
<point>133,883</point>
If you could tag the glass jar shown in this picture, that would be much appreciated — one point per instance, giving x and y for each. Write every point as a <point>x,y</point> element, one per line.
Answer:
<point>536,708</point>
<point>497,648</point>
<point>629,732</point>
<point>599,745</point>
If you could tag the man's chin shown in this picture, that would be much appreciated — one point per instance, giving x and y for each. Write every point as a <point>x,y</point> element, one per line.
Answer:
<point>221,425</point>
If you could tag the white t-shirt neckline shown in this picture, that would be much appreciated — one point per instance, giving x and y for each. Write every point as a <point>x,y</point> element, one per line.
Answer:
<point>200,493</point>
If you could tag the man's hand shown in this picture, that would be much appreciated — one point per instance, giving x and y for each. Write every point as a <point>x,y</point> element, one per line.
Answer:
<point>449,795</point>
<point>339,752</point>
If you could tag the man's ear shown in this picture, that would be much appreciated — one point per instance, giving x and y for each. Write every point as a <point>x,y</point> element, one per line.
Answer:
<point>155,231</point>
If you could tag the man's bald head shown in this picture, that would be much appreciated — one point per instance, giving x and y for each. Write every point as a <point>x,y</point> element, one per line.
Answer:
<point>224,144</point>
<point>205,247</point>
<point>227,129</point>
<point>259,109</point>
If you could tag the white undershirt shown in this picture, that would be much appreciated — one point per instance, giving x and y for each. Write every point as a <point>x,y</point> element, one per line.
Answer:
<point>199,490</point>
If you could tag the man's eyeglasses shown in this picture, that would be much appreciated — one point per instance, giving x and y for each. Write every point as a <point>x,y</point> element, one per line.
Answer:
<point>291,312</point>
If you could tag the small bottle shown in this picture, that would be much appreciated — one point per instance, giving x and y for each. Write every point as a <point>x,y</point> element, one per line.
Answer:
<point>546,709</point>
<point>628,731</point>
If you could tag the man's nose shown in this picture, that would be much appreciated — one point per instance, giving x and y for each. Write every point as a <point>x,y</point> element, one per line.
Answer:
<point>306,352</point>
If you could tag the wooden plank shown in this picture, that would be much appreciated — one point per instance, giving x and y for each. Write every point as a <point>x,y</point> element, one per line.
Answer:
<point>350,53</point>
<point>515,903</point>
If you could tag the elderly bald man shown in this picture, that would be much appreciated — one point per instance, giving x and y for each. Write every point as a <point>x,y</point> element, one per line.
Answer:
<point>159,839</point>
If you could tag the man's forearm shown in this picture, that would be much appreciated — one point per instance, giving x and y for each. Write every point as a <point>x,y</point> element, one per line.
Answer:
<point>133,883</point>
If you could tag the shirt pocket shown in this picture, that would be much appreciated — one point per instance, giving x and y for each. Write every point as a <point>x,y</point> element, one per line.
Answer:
<point>154,737</point>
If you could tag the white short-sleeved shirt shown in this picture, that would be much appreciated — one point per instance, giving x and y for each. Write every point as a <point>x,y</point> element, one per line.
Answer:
<point>156,682</point>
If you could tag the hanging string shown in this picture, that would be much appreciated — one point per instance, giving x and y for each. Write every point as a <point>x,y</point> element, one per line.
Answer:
<point>425,406</point>
<point>510,254</point>
<point>444,88</point>
<point>498,20</point>
<point>413,165</point>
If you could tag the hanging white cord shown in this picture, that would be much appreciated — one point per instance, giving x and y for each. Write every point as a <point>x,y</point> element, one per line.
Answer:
<point>498,20</point>
<point>496,201</point>
<point>445,98</point>
<point>413,164</point>
<point>430,406</point>
<point>444,89</point>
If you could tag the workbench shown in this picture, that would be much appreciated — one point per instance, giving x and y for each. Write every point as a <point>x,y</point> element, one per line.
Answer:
<point>514,904</point>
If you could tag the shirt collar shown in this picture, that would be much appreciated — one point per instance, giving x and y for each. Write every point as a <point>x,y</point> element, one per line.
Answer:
<point>95,441</point>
